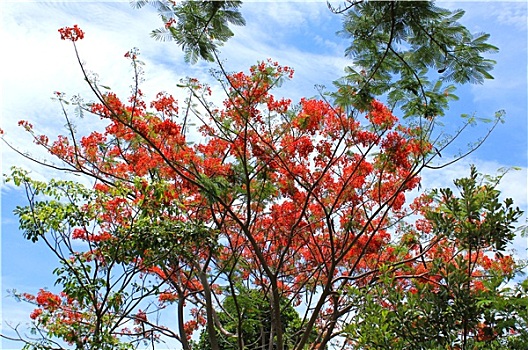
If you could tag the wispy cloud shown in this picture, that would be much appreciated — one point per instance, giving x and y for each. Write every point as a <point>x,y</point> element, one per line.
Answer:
<point>509,13</point>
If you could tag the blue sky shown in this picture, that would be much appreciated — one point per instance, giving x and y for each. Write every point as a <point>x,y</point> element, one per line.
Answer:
<point>35,63</point>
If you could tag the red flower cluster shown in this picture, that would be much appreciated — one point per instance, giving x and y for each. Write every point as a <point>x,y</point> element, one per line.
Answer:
<point>381,115</point>
<point>48,300</point>
<point>35,314</point>
<point>27,125</point>
<point>71,33</point>
<point>167,297</point>
<point>166,104</point>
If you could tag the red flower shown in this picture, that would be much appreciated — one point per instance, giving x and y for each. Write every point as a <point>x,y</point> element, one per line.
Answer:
<point>36,313</point>
<point>69,33</point>
<point>27,125</point>
<point>141,316</point>
<point>48,300</point>
<point>79,233</point>
<point>381,115</point>
<point>169,23</point>
<point>167,296</point>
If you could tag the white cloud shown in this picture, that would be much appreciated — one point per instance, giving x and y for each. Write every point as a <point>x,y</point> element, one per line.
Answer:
<point>513,184</point>
<point>514,15</point>
<point>286,14</point>
<point>511,13</point>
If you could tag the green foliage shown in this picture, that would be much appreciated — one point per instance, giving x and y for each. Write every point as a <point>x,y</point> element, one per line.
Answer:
<point>53,214</point>
<point>461,218</point>
<point>408,50</point>
<point>100,285</point>
<point>246,316</point>
<point>199,27</point>
<point>506,317</point>
<point>461,302</point>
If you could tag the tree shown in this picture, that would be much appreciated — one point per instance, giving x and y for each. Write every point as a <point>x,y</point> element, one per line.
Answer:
<point>101,304</point>
<point>458,297</point>
<point>304,204</point>
<point>247,314</point>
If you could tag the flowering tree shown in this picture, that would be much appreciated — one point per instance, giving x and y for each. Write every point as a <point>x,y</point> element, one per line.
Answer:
<point>456,298</point>
<point>305,203</point>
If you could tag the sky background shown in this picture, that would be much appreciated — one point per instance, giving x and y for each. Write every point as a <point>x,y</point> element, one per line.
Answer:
<point>35,63</point>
